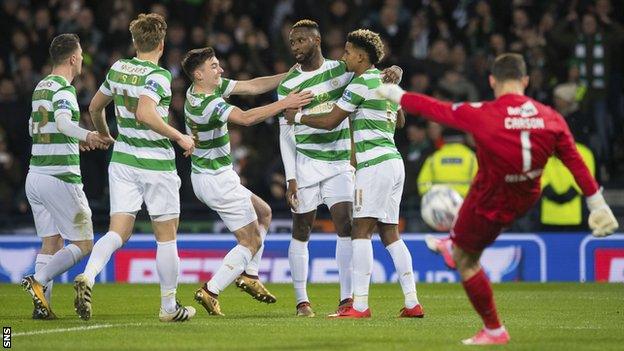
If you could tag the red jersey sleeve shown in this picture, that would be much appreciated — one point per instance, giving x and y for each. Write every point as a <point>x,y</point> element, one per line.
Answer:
<point>459,115</point>
<point>566,151</point>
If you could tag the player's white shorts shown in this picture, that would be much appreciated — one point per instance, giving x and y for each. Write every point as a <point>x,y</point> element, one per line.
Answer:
<point>330,191</point>
<point>378,191</point>
<point>224,193</point>
<point>130,187</point>
<point>59,208</point>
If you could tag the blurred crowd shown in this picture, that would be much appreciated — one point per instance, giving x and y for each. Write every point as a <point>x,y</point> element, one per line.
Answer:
<point>574,50</point>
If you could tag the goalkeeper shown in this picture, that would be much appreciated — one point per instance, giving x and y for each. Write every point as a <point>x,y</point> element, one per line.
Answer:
<point>515,136</point>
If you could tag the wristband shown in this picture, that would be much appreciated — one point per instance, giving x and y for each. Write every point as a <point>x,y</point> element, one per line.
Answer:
<point>298,117</point>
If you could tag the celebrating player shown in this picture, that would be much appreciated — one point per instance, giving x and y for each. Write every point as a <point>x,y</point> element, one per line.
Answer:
<point>515,136</point>
<point>215,182</point>
<point>142,167</point>
<point>379,176</point>
<point>316,162</point>
<point>54,183</point>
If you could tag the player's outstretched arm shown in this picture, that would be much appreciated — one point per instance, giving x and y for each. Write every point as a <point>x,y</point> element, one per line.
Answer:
<point>256,115</point>
<point>146,113</point>
<point>327,121</point>
<point>457,116</point>
<point>260,85</point>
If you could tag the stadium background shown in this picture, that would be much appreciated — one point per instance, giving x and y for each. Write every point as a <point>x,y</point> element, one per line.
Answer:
<point>443,46</point>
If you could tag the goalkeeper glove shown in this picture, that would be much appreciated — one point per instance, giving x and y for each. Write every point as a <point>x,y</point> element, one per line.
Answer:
<point>601,219</point>
<point>391,92</point>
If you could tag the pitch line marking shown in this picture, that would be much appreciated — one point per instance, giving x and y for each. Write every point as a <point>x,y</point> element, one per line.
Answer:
<point>64,330</point>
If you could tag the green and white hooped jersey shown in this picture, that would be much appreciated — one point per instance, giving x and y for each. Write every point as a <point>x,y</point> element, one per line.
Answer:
<point>54,153</point>
<point>327,83</point>
<point>206,120</point>
<point>373,122</point>
<point>137,145</point>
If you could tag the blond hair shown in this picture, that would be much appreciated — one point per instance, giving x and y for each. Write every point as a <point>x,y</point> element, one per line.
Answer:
<point>148,30</point>
<point>306,23</point>
<point>368,41</point>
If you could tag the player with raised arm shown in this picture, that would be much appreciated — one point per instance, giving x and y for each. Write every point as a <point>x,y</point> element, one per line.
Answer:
<point>317,162</point>
<point>379,172</point>
<point>216,183</point>
<point>142,167</point>
<point>515,135</point>
<point>54,184</point>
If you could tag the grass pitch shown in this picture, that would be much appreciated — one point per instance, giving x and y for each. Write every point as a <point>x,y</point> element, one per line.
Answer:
<point>565,316</point>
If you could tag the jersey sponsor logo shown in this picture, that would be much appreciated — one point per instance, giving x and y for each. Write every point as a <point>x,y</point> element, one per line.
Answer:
<point>64,104</point>
<point>321,108</point>
<point>152,85</point>
<point>524,123</point>
<point>516,178</point>
<point>525,110</point>
<point>220,108</point>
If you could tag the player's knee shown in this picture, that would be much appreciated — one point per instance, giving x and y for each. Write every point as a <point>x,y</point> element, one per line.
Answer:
<point>301,235</point>
<point>344,227</point>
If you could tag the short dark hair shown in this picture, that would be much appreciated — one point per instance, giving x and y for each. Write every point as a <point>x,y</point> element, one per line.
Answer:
<point>509,67</point>
<point>62,47</point>
<point>368,41</point>
<point>196,58</point>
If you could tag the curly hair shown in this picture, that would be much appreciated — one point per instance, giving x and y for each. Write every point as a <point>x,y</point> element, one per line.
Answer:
<point>368,41</point>
<point>148,30</point>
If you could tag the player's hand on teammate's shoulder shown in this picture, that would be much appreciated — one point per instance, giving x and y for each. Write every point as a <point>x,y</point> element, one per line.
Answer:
<point>392,74</point>
<point>187,143</point>
<point>289,114</point>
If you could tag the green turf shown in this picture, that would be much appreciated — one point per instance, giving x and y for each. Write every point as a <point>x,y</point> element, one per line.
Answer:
<point>539,317</point>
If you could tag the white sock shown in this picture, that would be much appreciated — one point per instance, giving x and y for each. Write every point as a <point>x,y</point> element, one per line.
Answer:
<point>403,264</point>
<point>60,262</point>
<point>362,270</point>
<point>40,262</point>
<point>254,265</point>
<point>233,265</point>
<point>102,251</point>
<point>298,258</point>
<point>344,253</point>
<point>168,266</point>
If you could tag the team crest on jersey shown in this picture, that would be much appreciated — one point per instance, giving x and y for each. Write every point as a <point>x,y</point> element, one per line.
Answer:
<point>334,83</point>
<point>64,104</point>
<point>322,97</point>
<point>220,108</point>
<point>152,85</point>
